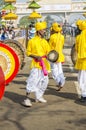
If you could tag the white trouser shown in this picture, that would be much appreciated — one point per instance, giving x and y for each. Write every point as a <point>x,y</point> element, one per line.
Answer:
<point>57,73</point>
<point>82,82</point>
<point>37,82</point>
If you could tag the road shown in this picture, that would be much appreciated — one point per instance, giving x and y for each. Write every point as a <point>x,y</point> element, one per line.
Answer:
<point>63,111</point>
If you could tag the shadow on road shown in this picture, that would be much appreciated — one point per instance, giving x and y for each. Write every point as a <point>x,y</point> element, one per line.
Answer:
<point>15,97</point>
<point>52,91</point>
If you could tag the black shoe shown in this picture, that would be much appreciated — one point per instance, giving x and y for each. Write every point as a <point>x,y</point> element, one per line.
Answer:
<point>59,87</point>
<point>82,99</point>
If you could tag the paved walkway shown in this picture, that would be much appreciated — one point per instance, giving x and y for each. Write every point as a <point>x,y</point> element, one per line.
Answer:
<point>62,111</point>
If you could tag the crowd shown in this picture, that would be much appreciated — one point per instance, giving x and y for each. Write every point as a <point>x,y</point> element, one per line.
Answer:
<point>6,33</point>
<point>38,48</point>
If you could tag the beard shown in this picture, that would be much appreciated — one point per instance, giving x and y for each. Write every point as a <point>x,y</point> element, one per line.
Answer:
<point>42,34</point>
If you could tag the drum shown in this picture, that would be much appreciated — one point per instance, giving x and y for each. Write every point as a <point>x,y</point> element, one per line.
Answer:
<point>73,54</point>
<point>19,49</point>
<point>2,83</point>
<point>9,62</point>
<point>53,56</point>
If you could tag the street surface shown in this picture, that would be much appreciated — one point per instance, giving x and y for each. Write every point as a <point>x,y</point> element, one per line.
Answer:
<point>62,111</point>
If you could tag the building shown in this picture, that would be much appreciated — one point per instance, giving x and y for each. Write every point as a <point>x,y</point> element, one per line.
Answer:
<point>55,10</point>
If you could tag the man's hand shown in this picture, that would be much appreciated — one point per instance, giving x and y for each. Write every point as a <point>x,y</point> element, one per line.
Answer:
<point>36,57</point>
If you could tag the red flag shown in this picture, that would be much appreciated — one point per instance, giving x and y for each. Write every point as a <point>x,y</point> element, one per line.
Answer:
<point>2,83</point>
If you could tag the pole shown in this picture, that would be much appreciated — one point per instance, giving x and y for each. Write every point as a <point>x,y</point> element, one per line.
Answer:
<point>26,29</point>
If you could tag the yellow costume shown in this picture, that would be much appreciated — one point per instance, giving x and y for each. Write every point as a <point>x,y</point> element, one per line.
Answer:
<point>80,47</point>
<point>37,81</point>
<point>39,47</point>
<point>80,65</point>
<point>56,43</point>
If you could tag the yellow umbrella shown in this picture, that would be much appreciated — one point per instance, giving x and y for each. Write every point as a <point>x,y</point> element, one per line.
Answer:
<point>10,1</point>
<point>10,16</point>
<point>34,15</point>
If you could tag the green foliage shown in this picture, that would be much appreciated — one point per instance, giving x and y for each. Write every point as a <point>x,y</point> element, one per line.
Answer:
<point>1,4</point>
<point>25,21</point>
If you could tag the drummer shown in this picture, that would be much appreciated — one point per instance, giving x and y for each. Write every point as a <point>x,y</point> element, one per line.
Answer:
<point>56,43</point>
<point>80,65</point>
<point>37,48</point>
<point>77,30</point>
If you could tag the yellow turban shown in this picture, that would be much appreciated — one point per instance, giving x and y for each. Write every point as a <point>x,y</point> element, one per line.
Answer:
<point>83,25</point>
<point>59,29</point>
<point>81,40</point>
<point>55,27</point>
<point>40,26</point>
<point>78,22</point>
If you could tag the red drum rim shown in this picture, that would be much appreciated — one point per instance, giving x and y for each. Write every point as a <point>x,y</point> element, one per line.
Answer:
<point>2,83</point>
<point>19,49</point>
<point>15,65</point>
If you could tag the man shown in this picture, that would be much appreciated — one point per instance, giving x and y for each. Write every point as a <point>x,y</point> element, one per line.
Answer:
<point>77,30</point>
<point>56,43</point>
<point>37,49</point>
<point>80,46</point>
<point>32,31</point>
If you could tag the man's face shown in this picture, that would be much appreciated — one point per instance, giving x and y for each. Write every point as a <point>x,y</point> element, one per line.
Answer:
<point>42,32</point>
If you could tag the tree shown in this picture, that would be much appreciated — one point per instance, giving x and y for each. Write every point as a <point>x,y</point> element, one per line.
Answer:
<point>85,11</point>
<point>25,21</point>
<point>1,4</point>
